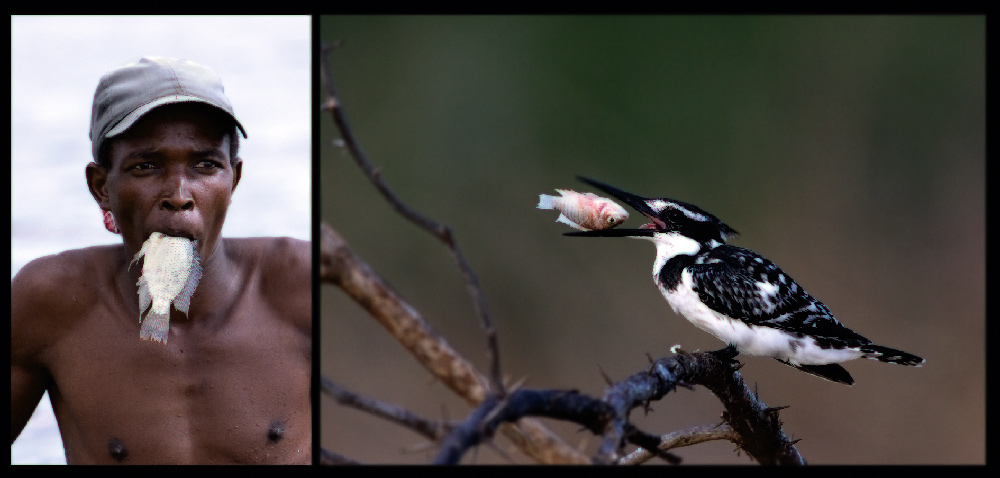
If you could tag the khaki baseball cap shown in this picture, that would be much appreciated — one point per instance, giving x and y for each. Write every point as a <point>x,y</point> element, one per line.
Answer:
<point>130,91</point>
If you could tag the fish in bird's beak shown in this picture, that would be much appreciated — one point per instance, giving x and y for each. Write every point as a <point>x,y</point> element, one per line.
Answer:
<point>638,203</point>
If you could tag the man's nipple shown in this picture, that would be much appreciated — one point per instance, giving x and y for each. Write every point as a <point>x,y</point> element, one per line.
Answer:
<point>117,449</point>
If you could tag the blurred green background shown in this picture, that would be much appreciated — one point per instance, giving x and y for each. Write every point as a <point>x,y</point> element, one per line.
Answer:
<point>850,150</point>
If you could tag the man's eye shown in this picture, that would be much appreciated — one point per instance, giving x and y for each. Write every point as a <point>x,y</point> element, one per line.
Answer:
<point>208,164</point>
<point>143,166</point>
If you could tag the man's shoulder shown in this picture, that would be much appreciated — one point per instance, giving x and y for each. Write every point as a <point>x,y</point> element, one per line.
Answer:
<point>283,269</point>
<point>263,244</point>
<point>287,252</point>
<point>67,270</point>
<point>59,287</point>
<point>276,259</point>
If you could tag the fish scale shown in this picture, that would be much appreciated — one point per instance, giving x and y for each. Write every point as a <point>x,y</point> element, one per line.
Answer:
<point>170,274</point>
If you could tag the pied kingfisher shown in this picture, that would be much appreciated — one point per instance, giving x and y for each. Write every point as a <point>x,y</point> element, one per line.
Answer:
<point>739,296</point>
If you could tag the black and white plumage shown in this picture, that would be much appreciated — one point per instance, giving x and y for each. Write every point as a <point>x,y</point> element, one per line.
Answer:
<point>739,296</point>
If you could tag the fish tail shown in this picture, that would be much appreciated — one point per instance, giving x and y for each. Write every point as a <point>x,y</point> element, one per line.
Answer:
<point>546,202</point>
<point>156,326</point>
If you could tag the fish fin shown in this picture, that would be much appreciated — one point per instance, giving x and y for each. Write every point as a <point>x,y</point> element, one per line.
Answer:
<point>546,202</point>
<point>138,255</point>
<point>156,326</point>
<point>144,249</point>
<point>144,297</point>
<point>183,300</point>
<point>565,220</point>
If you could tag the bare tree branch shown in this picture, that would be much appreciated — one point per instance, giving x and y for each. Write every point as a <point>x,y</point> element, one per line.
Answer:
<point>329,458</point>
<point>340,266</point>
<point>756,426</point>
<point>682,438</point>
<point>751,425</point>
<point>428,428</point>
<point>443,233</point>
<point>570,405</point>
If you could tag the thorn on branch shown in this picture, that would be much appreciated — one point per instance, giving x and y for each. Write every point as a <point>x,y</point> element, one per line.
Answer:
<point>330,104</point>
<point>774,410</point>
<point>604,375</point>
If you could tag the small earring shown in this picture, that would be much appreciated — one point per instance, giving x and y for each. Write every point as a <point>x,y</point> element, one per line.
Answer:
<point>109,222</point>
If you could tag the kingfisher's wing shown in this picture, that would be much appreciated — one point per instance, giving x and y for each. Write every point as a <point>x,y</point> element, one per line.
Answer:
<point>746,286</point>
<point>831,372</point>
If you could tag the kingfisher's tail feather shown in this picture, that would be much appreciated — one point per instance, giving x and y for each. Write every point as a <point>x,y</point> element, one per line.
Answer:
<point>890,355</point>
<point>831,372</point>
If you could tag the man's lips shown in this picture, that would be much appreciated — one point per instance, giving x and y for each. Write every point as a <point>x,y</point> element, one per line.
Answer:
<point>175,233</point>
<point>176,225</point>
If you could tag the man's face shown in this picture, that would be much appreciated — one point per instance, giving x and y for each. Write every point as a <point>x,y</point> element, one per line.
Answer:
<point>171,173</point>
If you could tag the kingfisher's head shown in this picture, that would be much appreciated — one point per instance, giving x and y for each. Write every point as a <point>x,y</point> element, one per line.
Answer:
<point>666,216</point>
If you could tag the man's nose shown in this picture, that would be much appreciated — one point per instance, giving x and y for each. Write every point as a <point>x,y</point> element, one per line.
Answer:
<point>179,197</point>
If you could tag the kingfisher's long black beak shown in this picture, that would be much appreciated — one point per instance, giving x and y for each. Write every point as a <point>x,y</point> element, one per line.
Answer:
<point>638,203</point>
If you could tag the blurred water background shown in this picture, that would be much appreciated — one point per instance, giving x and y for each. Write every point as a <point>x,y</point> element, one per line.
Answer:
<point>848,149</point>
<point>56,62</point>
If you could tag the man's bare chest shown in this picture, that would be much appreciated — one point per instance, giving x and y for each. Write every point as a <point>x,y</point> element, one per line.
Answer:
<point>231,383</point>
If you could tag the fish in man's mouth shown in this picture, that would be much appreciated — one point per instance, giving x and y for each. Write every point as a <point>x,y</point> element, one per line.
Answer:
<point>170,273</point>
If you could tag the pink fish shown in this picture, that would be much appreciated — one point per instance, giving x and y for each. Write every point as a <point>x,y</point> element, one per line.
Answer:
<point>584,211</point>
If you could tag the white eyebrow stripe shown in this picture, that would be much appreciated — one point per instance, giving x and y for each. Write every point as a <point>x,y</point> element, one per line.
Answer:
<point>657,205</point>
<point>691,214</point>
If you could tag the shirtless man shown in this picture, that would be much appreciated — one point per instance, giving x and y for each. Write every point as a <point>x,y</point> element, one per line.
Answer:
<point>231,384</point>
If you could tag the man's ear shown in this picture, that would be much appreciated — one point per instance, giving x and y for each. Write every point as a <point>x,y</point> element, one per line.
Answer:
<point>237,171</point>
<point>97,182</point>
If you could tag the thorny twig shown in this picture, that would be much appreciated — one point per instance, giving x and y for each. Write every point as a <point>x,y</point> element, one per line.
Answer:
<point>592,413</point>
<point>431,429</point>
<point>691,436</point>
<point>757,429</point>
<point>440,231</point>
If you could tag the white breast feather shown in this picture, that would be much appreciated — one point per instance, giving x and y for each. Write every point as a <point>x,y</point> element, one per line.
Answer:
<point>750,339</point>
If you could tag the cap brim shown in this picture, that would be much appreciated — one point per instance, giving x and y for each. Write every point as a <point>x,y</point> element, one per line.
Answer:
<point>139,112</point>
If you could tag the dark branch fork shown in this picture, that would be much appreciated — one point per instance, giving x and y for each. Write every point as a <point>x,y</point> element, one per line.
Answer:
<point>747,422</point>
